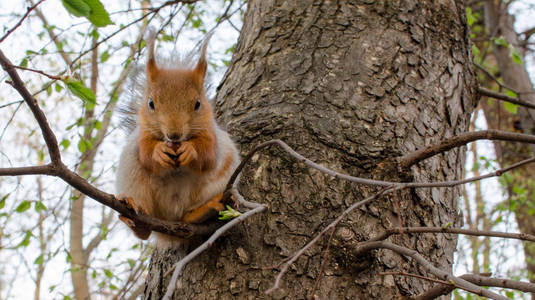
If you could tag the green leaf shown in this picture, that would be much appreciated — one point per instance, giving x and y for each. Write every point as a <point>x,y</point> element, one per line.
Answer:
<point>58,87</point>
<point>470,18</point>
<point>3,201</point>
<point>98,16</point>
<point>500,41</point>
<point>23,206</point>
<point>108,273</point>
<point>80,91</point>
<point>510,93</point>
<point>65,144</point>
<point>41,155</point>
<point>77,8</point>
<point>511,107</point>
<point>113,287</point>
<point>39,206</point>
<point>93,10</point>
<point>131,262</point>
<point>475,51</point>
<point>104,56</point>
<point>228,214</point>
<point>67,298</point>
<point>26,241</point>
<point>24,62</point>
<point>81,146</point>
<point>517,59</point>
<point>39,260</point>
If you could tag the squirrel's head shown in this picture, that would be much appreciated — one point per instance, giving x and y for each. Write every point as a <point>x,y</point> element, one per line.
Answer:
<point>175,107</point>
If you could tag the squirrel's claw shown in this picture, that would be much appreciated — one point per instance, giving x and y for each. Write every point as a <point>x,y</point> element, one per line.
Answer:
<point>142,233</point>
<point>130,203</point>
<point>186,153</point>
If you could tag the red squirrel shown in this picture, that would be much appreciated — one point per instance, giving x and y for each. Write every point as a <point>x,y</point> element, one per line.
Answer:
<point>176,160</point>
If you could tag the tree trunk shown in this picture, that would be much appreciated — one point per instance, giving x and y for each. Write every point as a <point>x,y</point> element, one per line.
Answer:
<point>349,84</point>
<point>500,23</point>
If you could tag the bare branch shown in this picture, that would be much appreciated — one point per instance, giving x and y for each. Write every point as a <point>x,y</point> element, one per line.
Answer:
<point>441,289</point>
<point>28,10</point>
<point>153,11</point>
<point>180,265</point>
<point>486,72</point>
<point>48,135</point>
<point>54,77</point>
<point>402,230</point>
<point>500,96</point>
<point>443,275</point>
<point>34,170</point>
<point>401,273</point>
<point>461,140</point>
<point>11,103</point>
<point>53,36</point>
<point>332,225</point>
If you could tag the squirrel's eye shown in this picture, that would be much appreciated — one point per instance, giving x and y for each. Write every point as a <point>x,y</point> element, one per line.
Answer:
<point>197,104</point>
<point>151,104</point>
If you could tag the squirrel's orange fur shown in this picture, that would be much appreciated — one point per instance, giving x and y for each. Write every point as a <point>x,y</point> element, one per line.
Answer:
<point>177,160</point>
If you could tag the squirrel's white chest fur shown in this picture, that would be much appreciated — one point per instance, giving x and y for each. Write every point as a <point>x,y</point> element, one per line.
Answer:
<point>171,195</point>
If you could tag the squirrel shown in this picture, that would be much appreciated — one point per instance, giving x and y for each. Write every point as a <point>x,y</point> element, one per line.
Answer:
<point>176,161</point>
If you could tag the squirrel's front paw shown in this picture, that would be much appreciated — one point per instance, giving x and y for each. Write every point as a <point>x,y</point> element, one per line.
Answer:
<point>186,153</point>
<point>163,155</point>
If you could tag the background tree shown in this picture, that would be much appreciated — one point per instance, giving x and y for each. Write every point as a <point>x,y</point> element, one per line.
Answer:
<point>501,55</point>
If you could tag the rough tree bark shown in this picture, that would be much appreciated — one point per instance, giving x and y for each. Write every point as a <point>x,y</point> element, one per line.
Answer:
<point>500,23</point>
<point>349,84</point>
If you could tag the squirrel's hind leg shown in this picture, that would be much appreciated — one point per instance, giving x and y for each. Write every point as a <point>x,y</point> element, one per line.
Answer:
<point>140,232</point>
<point>206,211</point>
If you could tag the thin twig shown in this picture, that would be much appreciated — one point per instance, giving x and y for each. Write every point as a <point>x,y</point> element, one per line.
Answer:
<point>28,10</point>
<point>500,96</point>
<point>401,273</point>
<point>392,188</point>
<point>154,11</point>
<point>333,224</point>
<point>55,77</point>
<point>507,235</point>
<point>480,280</point>
<point>322,267</point>
<point>48,134</point>
<point>11,103</point>
<point>460,140</point>
<point>459,282</point>
<point>486,72</point>
<point>180,265</point>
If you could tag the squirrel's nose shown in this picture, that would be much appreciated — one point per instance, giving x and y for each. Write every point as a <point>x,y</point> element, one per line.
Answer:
<point>173,136</point>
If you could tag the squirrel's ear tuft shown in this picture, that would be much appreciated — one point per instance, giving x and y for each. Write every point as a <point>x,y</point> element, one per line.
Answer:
<point>200,69</point>
<point>152,68</point>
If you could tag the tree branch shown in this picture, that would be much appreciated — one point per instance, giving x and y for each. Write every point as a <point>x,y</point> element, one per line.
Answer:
<point>207,244</point>
<point>33,170</point>
<point>28,10</point>
<point>443,275</point>
<point>18,84</point>
<point>489,93</point>
<point>402,230</point>
<point>461,140</point>
<point>442,289</point>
